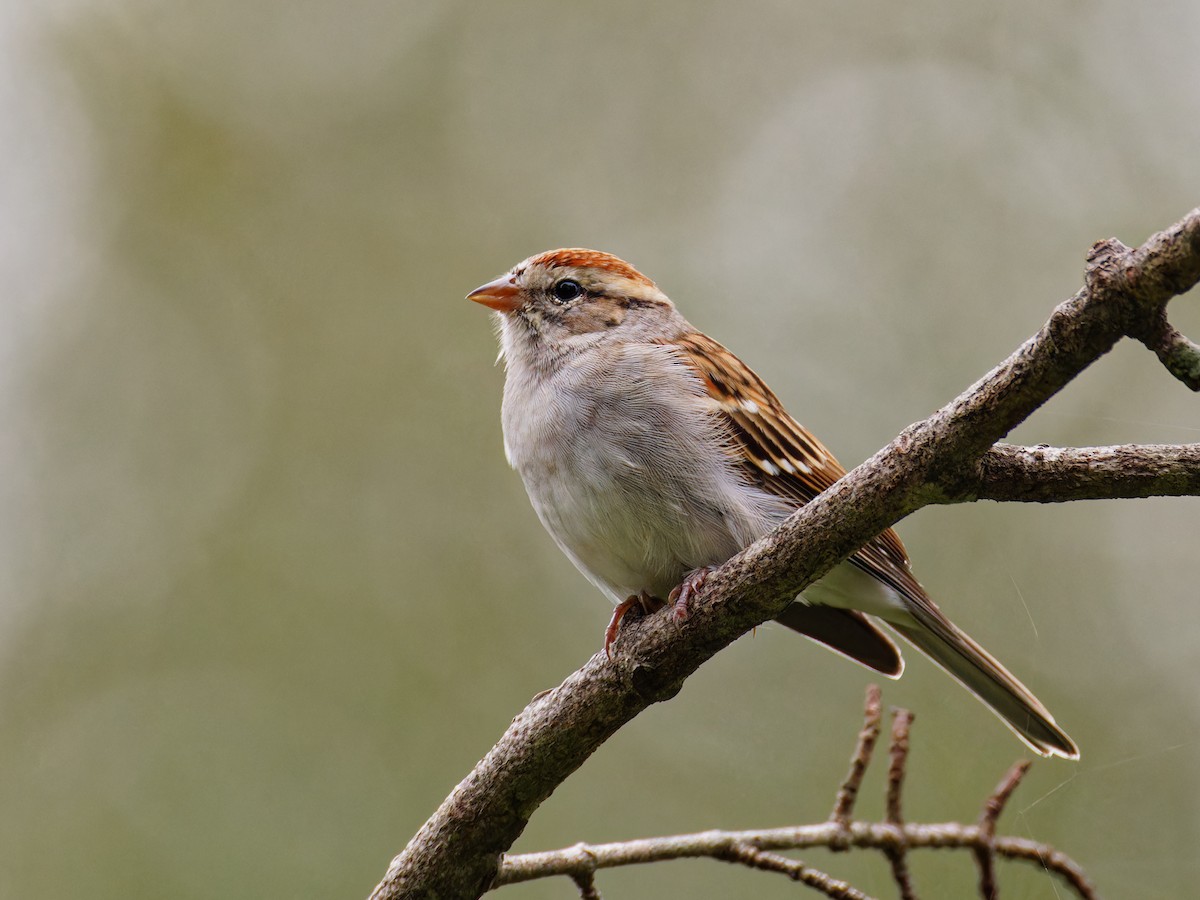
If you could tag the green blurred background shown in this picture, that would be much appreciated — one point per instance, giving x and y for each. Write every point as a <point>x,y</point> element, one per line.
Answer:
<point>268,587</point>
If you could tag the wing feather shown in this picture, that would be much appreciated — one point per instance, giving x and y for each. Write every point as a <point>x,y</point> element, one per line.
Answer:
<point>778,454</point>
<point>781,456</point>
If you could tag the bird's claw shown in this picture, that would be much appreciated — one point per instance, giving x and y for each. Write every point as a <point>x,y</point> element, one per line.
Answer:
<point>681,597</point>
<point>642,602</point>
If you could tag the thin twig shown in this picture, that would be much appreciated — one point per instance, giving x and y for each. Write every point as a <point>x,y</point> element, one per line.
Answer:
<point>1051,860</point>
<point>747,854</point>
<point>757,849</point>
<point>897,763</point>
<point>1179,355</point>
<point>586,882</point>
<point>985,851</point>
<point>843,806</point>
<point>898,759</point>
<point>877,836</point>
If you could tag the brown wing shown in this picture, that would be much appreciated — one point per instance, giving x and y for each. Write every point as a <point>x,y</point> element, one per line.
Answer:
<point>779,455</point>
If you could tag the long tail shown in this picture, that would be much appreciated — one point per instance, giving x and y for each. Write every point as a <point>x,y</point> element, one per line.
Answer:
<point>980,673</point>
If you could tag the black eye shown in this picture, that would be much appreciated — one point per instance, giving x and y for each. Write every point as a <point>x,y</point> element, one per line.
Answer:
<point>567,290</point>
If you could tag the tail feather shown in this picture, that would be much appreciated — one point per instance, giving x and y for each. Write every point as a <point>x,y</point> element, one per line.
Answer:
<point>848,632</point>
<point>981,673</point>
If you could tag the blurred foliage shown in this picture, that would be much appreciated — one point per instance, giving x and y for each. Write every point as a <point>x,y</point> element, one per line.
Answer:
<point>268,586</point>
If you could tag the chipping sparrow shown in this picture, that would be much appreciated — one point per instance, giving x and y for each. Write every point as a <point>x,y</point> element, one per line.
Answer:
<point>652,454</point>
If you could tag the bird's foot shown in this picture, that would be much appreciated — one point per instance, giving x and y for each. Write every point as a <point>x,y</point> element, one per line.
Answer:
<point>643,602</point>
<point>681,597</point>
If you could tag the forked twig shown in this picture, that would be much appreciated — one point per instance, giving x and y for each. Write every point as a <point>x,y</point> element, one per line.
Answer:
<point>897,763</point>
<point>985,853</point>
<point>893,837</point>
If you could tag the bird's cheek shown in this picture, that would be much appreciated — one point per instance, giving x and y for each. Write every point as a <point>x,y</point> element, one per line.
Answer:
<point>587,319</point>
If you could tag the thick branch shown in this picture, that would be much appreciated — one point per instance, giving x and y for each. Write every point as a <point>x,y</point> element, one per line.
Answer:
<point>457,852</point>
<point>1058,474</point>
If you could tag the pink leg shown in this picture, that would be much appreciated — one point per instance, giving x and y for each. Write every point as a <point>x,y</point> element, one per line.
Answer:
<point>643,601</point>
<point>688,591</point>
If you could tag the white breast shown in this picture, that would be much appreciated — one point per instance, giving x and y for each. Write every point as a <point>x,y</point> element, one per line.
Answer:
<point>623,460</point>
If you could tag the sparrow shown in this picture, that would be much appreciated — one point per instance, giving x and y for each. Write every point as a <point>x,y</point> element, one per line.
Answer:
<point>652,454</point>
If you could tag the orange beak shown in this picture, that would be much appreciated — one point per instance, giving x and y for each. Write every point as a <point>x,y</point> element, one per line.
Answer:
<point>501,295</point>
